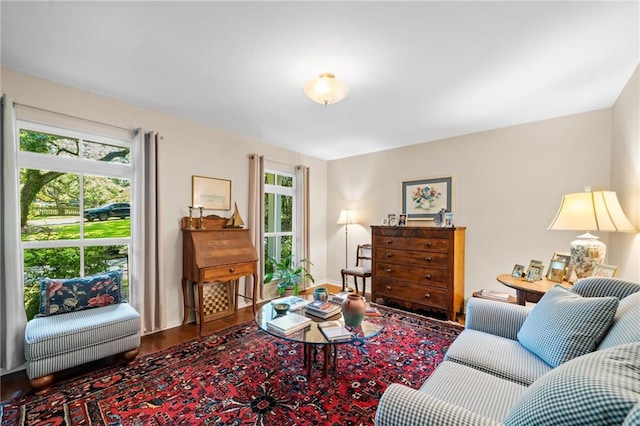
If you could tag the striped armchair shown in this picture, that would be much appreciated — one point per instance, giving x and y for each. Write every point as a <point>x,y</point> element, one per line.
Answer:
<point>518,365</point>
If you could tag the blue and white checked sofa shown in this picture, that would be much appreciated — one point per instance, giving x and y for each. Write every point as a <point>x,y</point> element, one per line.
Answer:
<point>566,361</point>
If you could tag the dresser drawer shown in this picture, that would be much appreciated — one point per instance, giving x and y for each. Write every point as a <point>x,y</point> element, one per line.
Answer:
<point>417,243</point>
<point>413,258</point>
<point>427,276</point>
<point>227,272</point>
<point>412,293</point>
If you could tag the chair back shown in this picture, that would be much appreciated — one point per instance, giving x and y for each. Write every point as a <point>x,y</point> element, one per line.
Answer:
<point>363,257</point>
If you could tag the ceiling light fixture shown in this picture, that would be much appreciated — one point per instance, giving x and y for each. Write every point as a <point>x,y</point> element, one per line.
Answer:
<point>326,89</point>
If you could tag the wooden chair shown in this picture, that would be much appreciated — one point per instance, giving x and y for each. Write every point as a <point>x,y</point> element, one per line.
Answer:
<point>361,270</point>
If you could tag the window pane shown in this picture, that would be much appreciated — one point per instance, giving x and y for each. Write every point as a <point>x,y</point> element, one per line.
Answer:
<point>61,262</point>
<point>269,213</point>
<point>49,205</point>
<point>108,153</point>
<point>269,178</point>
<point>284,204</point>
<point>107,207</point>
<point>286,181</point>
<point>44,143</point>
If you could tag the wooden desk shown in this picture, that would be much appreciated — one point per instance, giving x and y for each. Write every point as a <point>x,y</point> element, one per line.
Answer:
<point>216,254</point>
<point>529,291</point>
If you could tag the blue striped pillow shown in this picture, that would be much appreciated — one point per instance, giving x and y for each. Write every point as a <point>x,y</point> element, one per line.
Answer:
<point>564,325</point>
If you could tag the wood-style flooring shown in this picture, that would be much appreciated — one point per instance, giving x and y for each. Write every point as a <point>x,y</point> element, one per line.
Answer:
<point>16,384</point>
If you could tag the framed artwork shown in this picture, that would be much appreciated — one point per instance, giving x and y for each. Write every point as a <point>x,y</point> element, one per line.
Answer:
<point>402,219</point>
<point>392,219</point>
<point>423,199</point>
<point>534,272</point>
<point>606,271</point>
<point>557,270</point>
<point>518,271</point>
<point>211,193</point>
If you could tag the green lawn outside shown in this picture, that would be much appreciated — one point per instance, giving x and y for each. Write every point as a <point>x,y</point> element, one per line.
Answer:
<point>112,228</point>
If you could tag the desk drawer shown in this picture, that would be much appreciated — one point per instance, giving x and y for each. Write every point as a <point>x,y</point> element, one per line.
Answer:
<point>413,293</point>
<point>227,272</point>
<point>413,258</point>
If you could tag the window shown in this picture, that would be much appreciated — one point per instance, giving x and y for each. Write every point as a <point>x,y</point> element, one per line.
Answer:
<point>279,216</point>
<point>75,206</point>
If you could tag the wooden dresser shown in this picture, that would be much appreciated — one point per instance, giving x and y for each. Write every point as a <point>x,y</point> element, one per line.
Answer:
<point>419,267</point>
<point>217,257</point>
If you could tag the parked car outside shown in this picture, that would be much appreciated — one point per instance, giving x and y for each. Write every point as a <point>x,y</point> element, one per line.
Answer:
<point>121,210</point>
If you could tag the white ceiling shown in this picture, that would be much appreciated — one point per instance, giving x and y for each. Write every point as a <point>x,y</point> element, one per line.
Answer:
<point>417,71</point>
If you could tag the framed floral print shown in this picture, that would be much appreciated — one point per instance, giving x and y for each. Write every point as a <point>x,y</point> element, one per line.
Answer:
<point>423,199</point>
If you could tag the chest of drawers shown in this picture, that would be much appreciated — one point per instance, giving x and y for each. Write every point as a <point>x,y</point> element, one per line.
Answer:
<point>419,267</point>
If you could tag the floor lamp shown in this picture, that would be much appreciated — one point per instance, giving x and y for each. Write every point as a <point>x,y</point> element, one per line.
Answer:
<point>346,219</point>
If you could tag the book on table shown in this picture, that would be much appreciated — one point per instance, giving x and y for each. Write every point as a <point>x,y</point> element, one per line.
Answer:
<point>289,323</point>
<point>322,309</point>
<point>339,298</point>
<point>334,331</point>
<point>492,294</point>
<point>294,302</point>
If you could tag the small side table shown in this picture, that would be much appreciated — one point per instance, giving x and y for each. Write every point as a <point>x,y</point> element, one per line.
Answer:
<point>529,291</point>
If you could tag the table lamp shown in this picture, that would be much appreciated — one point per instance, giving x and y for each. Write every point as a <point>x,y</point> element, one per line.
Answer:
<point>346,218</point>
<point>589,211</point>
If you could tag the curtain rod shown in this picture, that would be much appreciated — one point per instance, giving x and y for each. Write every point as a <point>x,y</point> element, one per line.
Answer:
<point>71,116</point>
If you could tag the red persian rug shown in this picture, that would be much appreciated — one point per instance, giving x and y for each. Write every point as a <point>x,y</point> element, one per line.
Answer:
<point>244,376</point>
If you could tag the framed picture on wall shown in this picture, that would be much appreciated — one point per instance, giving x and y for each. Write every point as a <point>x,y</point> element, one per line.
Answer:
<point>422,199</point>
<point>211,193</point>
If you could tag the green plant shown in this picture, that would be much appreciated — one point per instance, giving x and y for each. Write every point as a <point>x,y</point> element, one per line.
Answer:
<point>288,274</point>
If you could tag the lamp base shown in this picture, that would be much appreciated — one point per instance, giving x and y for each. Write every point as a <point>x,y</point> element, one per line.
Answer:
<point>586,253</point>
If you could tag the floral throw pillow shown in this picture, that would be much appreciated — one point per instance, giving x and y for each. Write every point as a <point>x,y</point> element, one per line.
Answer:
<point>59,296</point>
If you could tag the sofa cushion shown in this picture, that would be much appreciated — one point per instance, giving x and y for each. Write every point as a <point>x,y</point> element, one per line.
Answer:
<point>564,325</point>
<point>625,328</point>
<point>499,356</point>
<point>633,418</point>
<point>467,387</point>
<point>599,388</point>
<point>602,287</point>
<point>59,296</point>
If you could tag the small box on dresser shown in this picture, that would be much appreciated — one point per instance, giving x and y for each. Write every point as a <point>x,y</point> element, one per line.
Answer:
<point>419,267</point>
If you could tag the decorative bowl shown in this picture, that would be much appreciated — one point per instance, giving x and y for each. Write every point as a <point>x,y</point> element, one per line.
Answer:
<point>281,308</point>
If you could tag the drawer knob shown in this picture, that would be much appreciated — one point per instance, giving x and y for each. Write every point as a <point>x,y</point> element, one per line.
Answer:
<point>231,270</point>
<point>428,259</point>
<point>428,276</point>
<point>388,270</point>
<point>428,244</point>
<point>389,241</point>
<point>388,287</point>
<point>389,254</point>
<point>427,295</point>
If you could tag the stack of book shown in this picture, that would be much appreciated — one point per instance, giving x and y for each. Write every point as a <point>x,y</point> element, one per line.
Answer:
<point>288,324</point>
<point>321,309</point>
<point>294,302</point>
<point>371,311</point>
<point>339,298</point>
<point>335,331</point>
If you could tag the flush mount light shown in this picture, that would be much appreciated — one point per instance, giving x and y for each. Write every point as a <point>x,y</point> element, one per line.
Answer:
<point>326,89</point>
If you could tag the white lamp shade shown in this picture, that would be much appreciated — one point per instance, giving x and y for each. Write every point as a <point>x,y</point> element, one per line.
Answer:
<point>591,211</point>
<point>346,217</point>
<point>326,89</point>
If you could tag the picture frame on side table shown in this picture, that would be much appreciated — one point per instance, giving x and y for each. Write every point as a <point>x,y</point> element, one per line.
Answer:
<point>605,271</point>
<point>518,271</point>
<point>211,193</point>
<point>422,199</point>
<point>537,267</point>
<point>557,270</point>
<point>567,262</point>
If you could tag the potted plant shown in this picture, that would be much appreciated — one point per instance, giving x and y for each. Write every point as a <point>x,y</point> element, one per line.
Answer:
<point>288,274</point>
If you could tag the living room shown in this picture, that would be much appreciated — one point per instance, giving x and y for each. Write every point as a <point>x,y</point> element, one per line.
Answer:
<point>508,181</point>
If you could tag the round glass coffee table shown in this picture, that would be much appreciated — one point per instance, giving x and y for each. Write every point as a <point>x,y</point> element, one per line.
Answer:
<point>313,339</point>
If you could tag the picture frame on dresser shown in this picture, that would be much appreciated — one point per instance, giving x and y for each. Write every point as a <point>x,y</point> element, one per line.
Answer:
<point>422,199</point>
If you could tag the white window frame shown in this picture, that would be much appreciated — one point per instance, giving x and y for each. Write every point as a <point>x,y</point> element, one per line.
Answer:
<point>83,166</point>
<point>293,193</point>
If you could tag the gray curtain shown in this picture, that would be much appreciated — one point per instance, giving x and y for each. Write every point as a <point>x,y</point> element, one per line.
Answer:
<point>12,315</point>
<point>302,185</point>
<point>256,216</point>
<point>152,281</point>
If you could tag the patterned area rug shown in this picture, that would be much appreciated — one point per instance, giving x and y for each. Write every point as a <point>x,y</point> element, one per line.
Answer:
<point>242,375</point>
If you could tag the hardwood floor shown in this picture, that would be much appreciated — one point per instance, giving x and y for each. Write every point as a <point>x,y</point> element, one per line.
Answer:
<point>16,384</point>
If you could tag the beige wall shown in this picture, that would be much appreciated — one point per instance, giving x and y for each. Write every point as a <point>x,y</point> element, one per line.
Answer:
<point>624,249</point>
<point>187,149</point>
<point>508,186</point>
